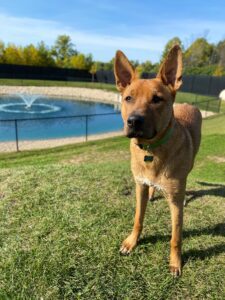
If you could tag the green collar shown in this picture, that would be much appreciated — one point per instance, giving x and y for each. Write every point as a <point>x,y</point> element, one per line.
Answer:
<point>162,141</point>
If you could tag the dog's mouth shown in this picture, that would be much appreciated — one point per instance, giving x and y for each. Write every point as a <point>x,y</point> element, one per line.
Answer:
<point>134,134</point>
<point>140,134</point>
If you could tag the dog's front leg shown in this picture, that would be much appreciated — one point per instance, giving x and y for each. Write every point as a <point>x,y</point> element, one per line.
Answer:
<point>176,209</point>
<point>142,194</point>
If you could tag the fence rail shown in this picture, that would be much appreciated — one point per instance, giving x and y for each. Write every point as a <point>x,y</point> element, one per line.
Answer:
<point>26,132</point>
<point>208,107</point>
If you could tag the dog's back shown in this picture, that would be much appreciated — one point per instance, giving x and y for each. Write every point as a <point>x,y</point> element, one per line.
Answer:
<point>190,117</point>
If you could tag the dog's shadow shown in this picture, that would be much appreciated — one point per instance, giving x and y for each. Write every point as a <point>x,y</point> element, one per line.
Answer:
<point>217,230</point>
<point>212,189</point>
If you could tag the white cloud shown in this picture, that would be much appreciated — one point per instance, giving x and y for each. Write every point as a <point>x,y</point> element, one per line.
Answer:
<point>25,30</point>
<point>29,30</point>
<point>138,43</point>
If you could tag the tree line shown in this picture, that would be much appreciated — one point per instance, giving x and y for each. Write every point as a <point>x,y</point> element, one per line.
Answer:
<point>200,57</point>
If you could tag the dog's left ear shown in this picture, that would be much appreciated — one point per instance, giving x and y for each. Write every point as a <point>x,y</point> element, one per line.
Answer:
<point>170,71</point>
<point>123,71</point>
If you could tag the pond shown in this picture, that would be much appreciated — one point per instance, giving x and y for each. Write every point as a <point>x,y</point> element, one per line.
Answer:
<point>52,118</point>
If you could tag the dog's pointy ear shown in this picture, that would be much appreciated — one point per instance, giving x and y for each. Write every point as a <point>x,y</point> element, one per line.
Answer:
<point>170,71</point>
<point>123,71</point>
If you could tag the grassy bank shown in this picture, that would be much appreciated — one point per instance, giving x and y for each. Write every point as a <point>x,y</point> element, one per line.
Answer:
<point>65,211</point>
<point>31,82</point>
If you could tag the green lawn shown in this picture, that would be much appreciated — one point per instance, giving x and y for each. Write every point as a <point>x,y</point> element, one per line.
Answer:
<point>65,211</point>
<point>33,82</point>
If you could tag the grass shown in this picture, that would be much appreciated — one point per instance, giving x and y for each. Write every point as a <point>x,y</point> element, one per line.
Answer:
<point>33,82</point>
<point>65,211</point>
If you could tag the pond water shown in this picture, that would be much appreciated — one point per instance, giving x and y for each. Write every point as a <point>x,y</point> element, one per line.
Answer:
<point>50,118</point>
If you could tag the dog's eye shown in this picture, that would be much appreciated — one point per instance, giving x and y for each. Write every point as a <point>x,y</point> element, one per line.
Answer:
<point>156,99</point>
<point>128,98</point>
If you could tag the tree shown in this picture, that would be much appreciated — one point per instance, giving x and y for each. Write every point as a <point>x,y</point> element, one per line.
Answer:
<point>155,68</point>
<point>174,41</point>
<point>44,55</point>
<point>30,55</point>
<point>220,71</point>
<point>139,70</point>
<point>78,61</point>
<point>109,65</point>
<point>99,65</point>
<point>88,61</point>
<point>147,66</point>
<point>93,70</point>
<point>220,48</point>
<point>135,63</point>
<point>2,52</point>
<point>199,53</point>
<point>63,50</point>
<point>13,55</point>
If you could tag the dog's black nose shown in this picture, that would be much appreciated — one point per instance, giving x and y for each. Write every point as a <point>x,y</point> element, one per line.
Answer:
<point>135,121</point>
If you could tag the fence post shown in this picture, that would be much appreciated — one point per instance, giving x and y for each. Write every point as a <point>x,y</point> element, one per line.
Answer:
<point>196,98</point>
<point>192,83</point>
<point>86,128</point>
<point>16,132</point>
<point>207,107</point>
<point>219,106</point>
<point>209,86</point>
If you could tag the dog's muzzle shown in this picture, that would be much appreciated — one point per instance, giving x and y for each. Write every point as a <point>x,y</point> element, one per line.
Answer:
<point>135,126</point>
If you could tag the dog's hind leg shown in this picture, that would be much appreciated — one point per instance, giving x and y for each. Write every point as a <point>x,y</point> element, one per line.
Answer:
<point>142,196</point>
<point>151,193</point>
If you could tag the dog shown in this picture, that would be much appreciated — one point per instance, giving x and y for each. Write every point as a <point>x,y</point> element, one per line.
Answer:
<point>165,139</point>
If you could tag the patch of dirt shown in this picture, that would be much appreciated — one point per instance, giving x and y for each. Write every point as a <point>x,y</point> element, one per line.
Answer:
<point>99,157</point>
<point>217,159</point>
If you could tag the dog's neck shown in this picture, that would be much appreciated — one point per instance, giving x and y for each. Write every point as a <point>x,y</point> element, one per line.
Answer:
<point>160,139</point>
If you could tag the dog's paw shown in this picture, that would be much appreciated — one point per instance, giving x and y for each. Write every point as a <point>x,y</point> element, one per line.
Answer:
<point>128,245</point>
<point>175,271</point>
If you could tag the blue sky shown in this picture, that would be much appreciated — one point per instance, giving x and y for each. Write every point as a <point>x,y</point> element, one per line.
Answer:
<point>139,28</point>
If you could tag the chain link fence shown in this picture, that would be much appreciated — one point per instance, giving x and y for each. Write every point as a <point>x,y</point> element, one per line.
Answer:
<point>40,133</point>
<point>208,107</point>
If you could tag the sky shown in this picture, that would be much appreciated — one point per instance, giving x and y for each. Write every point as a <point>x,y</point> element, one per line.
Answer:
<point>139,28</point>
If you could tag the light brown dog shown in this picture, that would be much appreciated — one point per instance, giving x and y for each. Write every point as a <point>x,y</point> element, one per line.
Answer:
<point>164,142</point>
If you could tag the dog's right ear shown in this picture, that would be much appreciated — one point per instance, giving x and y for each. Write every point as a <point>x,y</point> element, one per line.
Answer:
<point>123,71</point>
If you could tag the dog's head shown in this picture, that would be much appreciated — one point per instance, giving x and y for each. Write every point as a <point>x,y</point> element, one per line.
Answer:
<point>147,104</point>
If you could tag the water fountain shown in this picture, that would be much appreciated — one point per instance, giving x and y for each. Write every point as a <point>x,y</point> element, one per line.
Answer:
<point>28,99</point>
<point>28,105</point>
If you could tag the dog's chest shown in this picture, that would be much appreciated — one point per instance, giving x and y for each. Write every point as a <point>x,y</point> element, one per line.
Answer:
<point>148,173</point>
<point>145,181</point>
